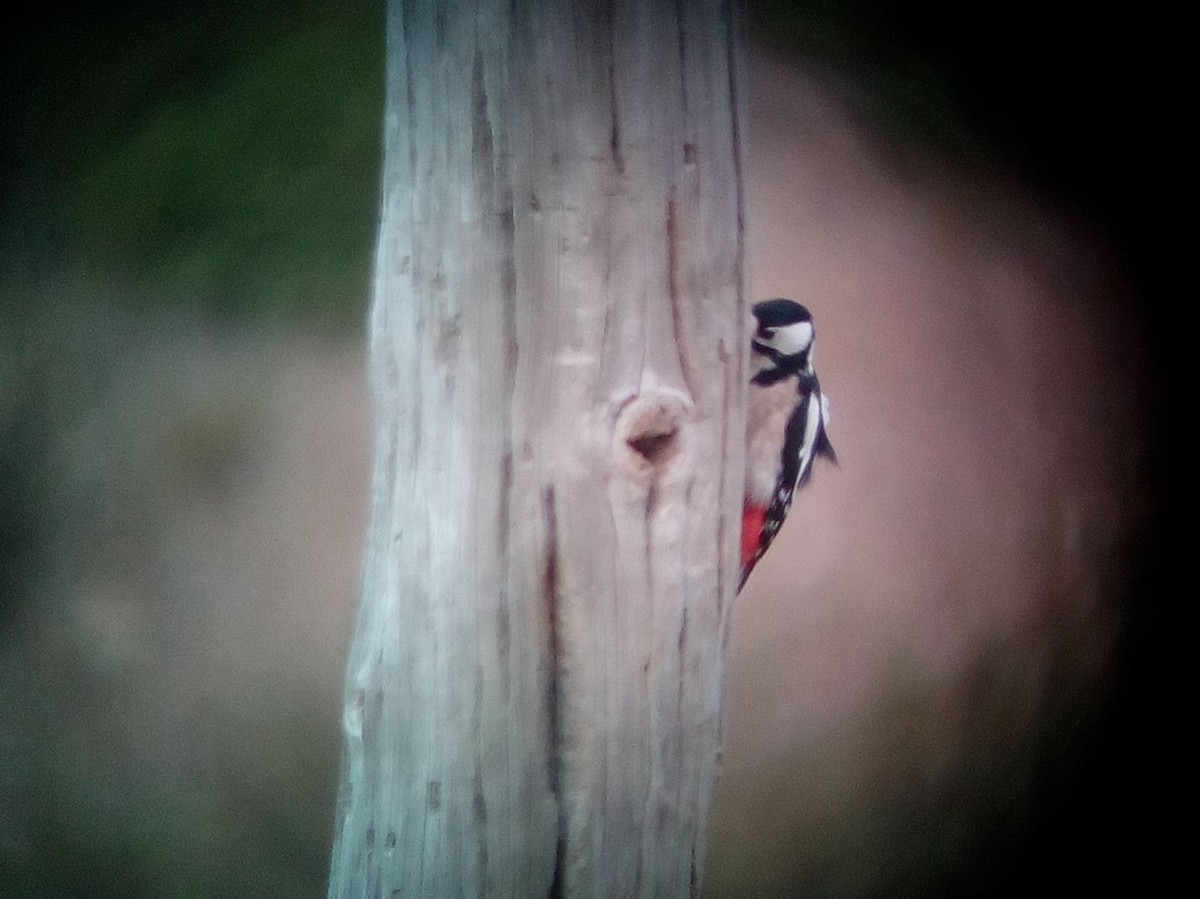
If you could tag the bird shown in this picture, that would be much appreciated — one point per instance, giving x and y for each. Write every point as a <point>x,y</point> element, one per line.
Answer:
<point>786,422</point>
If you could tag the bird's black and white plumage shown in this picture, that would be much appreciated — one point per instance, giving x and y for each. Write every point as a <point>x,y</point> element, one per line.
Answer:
<point>786,422</point>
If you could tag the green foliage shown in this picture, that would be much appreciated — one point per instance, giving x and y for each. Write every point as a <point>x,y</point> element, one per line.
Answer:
<point>167,176</point>
<point>227,168</point>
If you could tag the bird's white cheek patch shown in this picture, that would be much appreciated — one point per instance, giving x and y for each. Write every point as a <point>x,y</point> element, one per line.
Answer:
<point>793,339</point>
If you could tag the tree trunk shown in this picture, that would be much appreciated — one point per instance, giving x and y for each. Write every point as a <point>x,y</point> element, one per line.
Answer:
<point>557,358</point>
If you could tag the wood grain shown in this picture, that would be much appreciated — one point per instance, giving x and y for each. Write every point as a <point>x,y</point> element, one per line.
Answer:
<point>534,688</point>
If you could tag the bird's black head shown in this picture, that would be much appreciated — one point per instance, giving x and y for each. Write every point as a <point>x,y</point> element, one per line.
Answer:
<point>779,313</point>
<point>783,338</point>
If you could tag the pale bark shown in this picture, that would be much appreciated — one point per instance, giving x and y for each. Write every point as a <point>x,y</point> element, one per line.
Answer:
<point>534,688</point>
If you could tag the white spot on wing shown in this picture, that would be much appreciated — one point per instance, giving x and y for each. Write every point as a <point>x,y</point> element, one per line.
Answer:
<point>812,420</point>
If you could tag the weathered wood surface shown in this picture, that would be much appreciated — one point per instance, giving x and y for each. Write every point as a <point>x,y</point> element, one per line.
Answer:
<point>534,688</point>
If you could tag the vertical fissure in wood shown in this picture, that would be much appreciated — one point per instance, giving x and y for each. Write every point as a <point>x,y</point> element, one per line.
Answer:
<point>681,32</point>
<point>511,358</point>
<point>492,179</point>
<point>673,262</point>
<point>681,650</point>
<point>554,693</point>
<point>732,16</point>
<point>503,610</point>
<point>479,814</point>
<point>482,140</point>
<point>726,411</point>
<point>618,157</point>
<point>694,880</point>
<point>675,292</point>
<point>733,10</point>
<point>651,503</point>
<point>407,10</point>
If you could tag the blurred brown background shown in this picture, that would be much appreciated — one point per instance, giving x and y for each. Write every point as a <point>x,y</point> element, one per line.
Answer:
<point>951,677</point>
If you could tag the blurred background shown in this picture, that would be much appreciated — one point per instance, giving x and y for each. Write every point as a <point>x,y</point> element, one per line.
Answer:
<point>952,677</point>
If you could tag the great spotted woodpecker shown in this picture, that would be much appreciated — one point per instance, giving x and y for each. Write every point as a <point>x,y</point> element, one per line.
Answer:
<point>785,423</point>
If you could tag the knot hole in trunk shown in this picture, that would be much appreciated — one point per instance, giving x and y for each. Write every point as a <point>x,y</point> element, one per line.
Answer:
<point>651,428</point>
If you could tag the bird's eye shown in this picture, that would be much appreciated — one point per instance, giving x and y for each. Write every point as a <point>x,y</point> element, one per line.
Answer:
<point>768,332</point>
